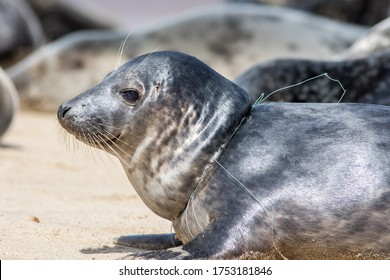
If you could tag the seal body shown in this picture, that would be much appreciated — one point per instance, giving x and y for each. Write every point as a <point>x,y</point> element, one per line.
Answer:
<point>364,79</point>
<point>316,176</point>
<point>235,179</point>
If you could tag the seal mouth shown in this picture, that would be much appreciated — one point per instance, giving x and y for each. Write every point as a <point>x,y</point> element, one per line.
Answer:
<point>114,139</point>
<point>108,139</point>
<point>96,140</point>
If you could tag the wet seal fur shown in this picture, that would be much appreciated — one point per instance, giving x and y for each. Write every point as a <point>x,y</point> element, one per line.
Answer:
<point>278,177</point>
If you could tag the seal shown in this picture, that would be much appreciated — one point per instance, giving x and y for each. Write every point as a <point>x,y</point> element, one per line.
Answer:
<point>274,178</point>
<point>374,40</point>
<point>363,12</point>
<point>9,102</point>
<point>364,79</point>
<point>20,27</point>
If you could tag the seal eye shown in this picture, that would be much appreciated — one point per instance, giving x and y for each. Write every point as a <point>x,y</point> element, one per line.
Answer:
<point>130,95</point>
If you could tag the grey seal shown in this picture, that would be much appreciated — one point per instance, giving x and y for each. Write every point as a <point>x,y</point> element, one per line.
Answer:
<point>364,79</point>
<point>373,41</point>
<point>19,27</point>
<point>60,17</point>
<point>9,102</point>
<point>364,12</point>
<point>235,178</point>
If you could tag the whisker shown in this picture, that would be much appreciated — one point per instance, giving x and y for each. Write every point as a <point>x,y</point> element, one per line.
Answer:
<point>86,148</point>
<point>97,145</point>
<point>110,134</point>
<point>91,146</point>
<point>121,50</point>
<point>103,135</point>
<point>113,150</point>
<point>73,144</point>
<point>62,136</point>
<point>65,138</point>
<point>113,127</point>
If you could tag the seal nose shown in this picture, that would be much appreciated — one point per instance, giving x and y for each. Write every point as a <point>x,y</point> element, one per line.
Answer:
<point>62,110</point>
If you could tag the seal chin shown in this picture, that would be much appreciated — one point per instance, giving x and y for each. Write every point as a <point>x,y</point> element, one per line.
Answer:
<point>108,140</point>
<point>113,139</point>
<point>96,140</point>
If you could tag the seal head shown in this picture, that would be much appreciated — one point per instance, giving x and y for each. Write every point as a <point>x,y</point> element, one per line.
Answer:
<point>165,115</point>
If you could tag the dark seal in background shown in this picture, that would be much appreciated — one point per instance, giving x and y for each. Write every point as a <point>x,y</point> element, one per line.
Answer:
<point>366,12</point>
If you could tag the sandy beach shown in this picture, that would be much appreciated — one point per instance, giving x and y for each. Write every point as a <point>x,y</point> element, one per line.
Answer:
<point>80,196</point>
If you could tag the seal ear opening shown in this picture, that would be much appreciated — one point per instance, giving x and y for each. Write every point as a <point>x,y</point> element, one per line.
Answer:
<point>158,87</point>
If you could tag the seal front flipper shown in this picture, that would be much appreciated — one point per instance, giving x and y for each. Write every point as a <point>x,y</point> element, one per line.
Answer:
<point>216,242</point>
<point>198,248</point>
<point>148,241</point>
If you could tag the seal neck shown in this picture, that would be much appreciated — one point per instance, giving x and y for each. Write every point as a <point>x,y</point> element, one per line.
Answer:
<point>170,162</point>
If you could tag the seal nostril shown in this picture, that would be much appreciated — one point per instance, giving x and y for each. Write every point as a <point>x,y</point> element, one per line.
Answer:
<point>62,111</point>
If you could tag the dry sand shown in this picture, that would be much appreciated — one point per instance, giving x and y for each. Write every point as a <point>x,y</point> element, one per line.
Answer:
<point>81,198</point>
